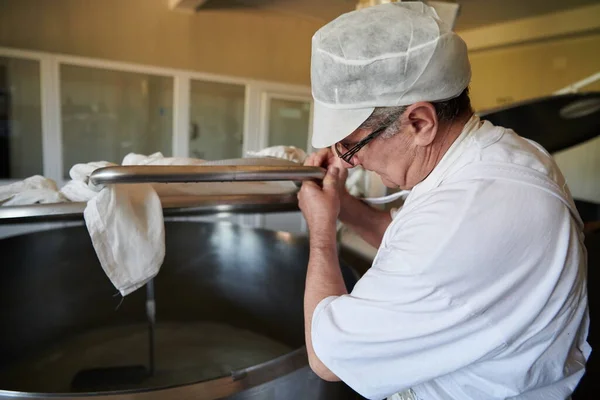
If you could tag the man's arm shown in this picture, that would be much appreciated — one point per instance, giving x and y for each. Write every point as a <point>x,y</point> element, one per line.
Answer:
<point>321,206</point>
<point>323,279</point>
<point>365,220</point>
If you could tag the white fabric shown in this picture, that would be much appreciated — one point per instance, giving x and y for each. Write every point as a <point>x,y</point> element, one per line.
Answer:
<point>406,395</point>
<point>356,176</point>
<point>125,221</point>
<point>356,184</point>
<point>392,54</point>
<point>79,188</point>
<point>290,153</point>
<point>126,224</point>
<point>478,290</point>
<point>33,190</point>
<point>159,159</point>
<point>387,199</point>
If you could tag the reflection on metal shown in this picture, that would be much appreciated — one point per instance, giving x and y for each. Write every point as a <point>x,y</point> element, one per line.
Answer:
<point>212,173</point>
<point>240,383</point>
<point>555,122</point>
<point>580,108</point>
<point>52,287</point>
<point>41,213</point>
<point>172,206</point>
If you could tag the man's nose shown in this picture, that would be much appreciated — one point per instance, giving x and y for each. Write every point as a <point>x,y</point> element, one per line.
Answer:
<point>355,162</point>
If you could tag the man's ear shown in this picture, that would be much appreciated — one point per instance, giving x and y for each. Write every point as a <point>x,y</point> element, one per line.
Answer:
<point>423,122</point>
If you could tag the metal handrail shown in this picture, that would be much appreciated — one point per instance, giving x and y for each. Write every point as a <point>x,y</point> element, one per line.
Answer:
<point>203,173</point>
<point>172,206</point>
<point>182,205</point>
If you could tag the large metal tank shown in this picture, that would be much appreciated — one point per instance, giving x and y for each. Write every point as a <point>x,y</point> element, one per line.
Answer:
<point>229,309</point>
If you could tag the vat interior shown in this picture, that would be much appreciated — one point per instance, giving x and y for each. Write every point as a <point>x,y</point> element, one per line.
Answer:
<point>227,297</point>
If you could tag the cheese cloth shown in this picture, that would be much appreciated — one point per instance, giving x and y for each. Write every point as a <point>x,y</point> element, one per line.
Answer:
<point>125,221</point>
<point>126,224</point>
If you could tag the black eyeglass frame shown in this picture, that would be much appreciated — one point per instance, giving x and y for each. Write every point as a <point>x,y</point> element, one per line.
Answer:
<point>347,156</point>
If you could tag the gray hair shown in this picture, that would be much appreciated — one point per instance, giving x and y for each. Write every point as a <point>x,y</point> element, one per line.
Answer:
<point>445,110</point>
<point>382,116</point>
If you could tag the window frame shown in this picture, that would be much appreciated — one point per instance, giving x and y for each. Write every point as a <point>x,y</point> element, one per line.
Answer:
<point>256,91</point>
<point>267,96</point>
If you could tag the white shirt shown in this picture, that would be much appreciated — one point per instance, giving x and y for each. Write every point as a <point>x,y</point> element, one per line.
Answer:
<point>478,290</point>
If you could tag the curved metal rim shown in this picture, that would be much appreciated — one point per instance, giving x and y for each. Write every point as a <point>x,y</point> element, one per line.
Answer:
<point>573,96</point>
<point>238,381</point>
<point>172,206</point>
<point>580,108</point>
<point>206,173</point>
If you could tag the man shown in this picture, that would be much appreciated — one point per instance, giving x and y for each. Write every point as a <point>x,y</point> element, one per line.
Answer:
<point>478,289</point>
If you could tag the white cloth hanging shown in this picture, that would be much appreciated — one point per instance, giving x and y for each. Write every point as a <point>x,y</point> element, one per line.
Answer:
<point>125,221</point>
<point>126,224</point>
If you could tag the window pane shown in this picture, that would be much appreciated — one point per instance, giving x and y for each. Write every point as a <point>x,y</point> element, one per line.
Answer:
<point>20,119</point>
<point>288,123</point>
<point>107,114</point>
<point>217,120</point>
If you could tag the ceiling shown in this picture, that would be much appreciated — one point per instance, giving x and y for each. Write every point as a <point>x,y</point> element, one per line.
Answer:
<point>473,14</point>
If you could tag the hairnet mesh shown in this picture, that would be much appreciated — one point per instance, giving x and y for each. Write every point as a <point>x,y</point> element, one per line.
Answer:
<point>389,55</point>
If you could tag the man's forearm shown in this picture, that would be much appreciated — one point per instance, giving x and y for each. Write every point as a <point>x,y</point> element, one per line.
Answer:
<point>365,220</point>
<point>323,279</point>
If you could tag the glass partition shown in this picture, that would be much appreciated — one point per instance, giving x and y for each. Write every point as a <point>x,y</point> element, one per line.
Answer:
<point>107,114</point>
<point>20,118</point>
<point>289,122</point>
<point>216,120</point>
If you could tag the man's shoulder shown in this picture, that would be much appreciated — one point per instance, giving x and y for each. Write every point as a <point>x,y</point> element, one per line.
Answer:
<point>499,145</point>
<point>482,197</point>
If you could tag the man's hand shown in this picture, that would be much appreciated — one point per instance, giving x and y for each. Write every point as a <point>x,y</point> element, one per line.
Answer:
<point>321,205</point>
<point>323,158</point>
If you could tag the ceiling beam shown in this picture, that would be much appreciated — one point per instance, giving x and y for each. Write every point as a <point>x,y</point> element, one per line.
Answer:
<point>189,6</point>
<point>543,27</point>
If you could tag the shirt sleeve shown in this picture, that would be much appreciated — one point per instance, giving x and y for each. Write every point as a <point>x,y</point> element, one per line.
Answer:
<point>410,318</point>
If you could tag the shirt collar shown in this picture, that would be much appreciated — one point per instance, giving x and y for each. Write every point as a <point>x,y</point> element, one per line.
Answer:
<point>452,154</point>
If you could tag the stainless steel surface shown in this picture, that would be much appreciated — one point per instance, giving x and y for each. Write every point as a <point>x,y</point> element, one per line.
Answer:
<point>53,291</point>
<point>172,206</point>
<point>555,122</point>
<point>41,212</point>
<point>151,315</point>
<point>196,173</point>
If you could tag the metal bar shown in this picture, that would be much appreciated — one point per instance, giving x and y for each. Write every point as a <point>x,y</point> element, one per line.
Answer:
<point>172,206</point>
<point>151,315</point>
<point>41,213</point>
<point>196,173</point>
<point>574,87</point>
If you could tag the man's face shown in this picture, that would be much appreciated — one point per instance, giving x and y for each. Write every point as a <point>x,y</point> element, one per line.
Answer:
<point>402,160</point>
<point>390,158</point>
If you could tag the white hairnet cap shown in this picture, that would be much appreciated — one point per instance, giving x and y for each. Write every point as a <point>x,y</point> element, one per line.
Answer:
<point>394,54</point>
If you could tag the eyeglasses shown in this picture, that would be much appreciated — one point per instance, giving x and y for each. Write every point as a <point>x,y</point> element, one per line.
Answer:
<point>346,154</point>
